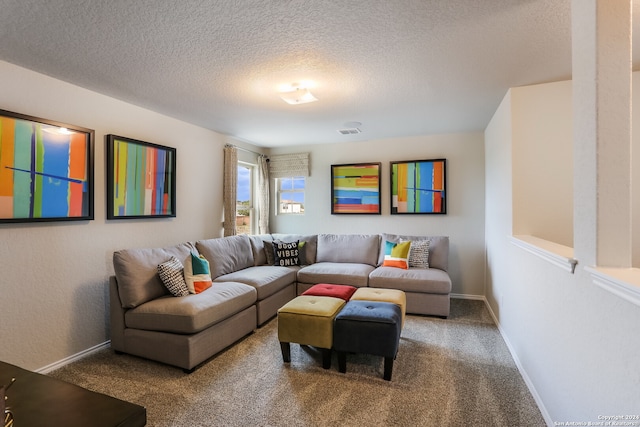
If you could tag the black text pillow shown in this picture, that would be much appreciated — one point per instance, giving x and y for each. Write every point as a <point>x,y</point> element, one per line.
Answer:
<point>286,254</point>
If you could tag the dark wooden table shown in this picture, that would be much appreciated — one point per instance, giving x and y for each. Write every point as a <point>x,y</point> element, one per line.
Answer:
<point>39,400</point>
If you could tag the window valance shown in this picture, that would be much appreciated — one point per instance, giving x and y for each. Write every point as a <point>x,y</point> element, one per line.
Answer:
<point>284,165</point>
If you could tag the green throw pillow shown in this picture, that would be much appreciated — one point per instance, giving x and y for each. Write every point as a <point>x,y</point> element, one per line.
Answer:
<point>397,254</point>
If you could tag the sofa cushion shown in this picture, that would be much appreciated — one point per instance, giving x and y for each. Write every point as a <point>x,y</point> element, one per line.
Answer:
<point>339,273</point>
<point>349,248</point>
<point>258,249</point>
<point>192,313</point>
<point>197,273</point>
<point>226,254</point>
<point>136,271</point>
<point>438,248</point>
<point>419,280</point>
<point>172,275</point>
<point>267,280</point>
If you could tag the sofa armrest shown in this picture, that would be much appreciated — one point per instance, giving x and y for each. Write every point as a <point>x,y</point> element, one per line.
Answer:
<point>116,316</point>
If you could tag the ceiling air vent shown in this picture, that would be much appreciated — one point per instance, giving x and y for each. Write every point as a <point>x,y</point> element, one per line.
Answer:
<point>349,131</point>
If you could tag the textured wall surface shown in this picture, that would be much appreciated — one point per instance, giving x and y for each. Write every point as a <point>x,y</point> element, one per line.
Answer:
<point>401,68</point>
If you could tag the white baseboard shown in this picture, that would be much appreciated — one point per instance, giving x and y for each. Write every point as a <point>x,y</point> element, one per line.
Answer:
<point>514,355</point>
<point>468,296</point>
<point>75,357</point>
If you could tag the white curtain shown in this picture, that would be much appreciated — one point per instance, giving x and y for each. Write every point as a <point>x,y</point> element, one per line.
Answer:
<point>230,189</point>
<point>263,195</point>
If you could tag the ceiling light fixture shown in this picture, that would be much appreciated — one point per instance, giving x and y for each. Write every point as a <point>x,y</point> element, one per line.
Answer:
<point>297,94</point>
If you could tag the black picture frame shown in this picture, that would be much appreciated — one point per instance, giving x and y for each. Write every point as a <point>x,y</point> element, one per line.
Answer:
<point>418,187</point>
<point>355,188</point>
<point>141,179</point>
<point>46,170</point>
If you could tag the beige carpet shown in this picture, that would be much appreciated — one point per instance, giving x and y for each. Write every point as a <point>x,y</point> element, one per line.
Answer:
<point>448,372</point>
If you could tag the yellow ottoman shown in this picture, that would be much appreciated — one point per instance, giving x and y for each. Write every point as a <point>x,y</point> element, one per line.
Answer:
<point>383,295</point>
<point>308,320</point>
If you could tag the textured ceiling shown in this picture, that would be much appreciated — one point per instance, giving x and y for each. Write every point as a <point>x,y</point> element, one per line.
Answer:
<point>401,68</point>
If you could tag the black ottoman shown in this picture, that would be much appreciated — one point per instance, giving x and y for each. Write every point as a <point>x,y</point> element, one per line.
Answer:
<point>368,327</point>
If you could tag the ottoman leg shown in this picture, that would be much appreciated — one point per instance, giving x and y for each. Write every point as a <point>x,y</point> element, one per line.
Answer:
<point>342,361</point>
<point>388,368</point>
<point>286,351</point>
<point>326,357</point>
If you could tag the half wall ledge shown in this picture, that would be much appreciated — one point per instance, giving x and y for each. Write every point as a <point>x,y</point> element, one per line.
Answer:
<point>555,253</point>
<point>623,282</point>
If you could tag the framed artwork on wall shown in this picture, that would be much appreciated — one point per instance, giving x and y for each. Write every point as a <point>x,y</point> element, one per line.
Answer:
<point>46,170</point>
<point>141,179</point>
<point>418,187</point>
<point>355,188</point>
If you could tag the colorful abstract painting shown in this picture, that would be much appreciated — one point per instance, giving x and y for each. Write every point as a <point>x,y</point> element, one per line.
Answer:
<point>418,187</point>
<point>355,188</point>
<point>46,170</point>
<point>141,179</point>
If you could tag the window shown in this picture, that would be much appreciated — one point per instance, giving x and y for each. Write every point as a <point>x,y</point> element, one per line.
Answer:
<point>291,195</point>
<point>244,199</point>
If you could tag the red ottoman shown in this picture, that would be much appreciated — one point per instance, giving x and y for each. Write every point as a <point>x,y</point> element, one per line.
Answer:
<point>328,290</point>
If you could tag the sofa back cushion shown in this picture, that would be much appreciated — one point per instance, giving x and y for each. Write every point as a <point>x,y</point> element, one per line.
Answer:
<point>226,254</point>
<point>137,272</point>
<point>353,248</point>
<point>257,247</point>
<point>438,248</point>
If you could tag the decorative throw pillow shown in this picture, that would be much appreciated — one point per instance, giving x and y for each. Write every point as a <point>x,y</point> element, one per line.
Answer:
<point>268,251</point>
<point>286,254</point>
<point>172,275</point>
<point>397,254</point>
<point>197,273</point>
<point>302,253</point>
<point>419,254</point>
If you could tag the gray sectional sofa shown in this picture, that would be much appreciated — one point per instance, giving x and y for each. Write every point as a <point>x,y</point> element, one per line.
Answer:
<point>148,321</point>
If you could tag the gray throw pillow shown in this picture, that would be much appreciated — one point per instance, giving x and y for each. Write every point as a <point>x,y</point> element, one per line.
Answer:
<point>419,254</point>
<point>268,251</point>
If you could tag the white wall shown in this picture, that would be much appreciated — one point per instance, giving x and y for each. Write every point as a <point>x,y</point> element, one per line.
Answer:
<point>53,276</point>
<point>577,343</point>
<point>543,162</point>
<point>635,172</point>
<point>498,202</point>
<point>463,223</point>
